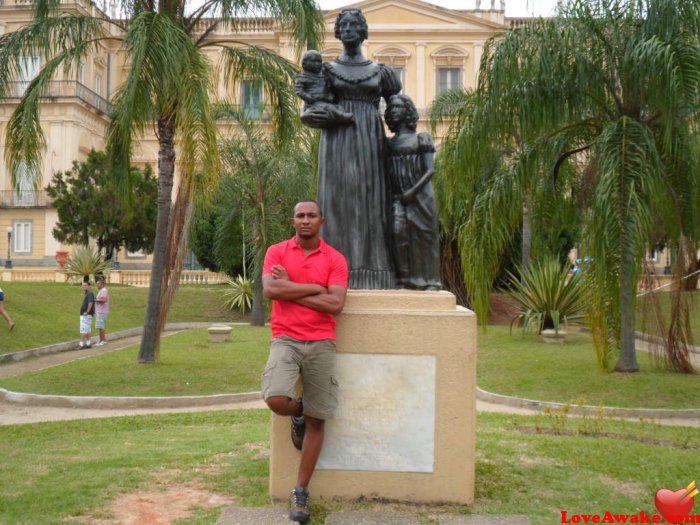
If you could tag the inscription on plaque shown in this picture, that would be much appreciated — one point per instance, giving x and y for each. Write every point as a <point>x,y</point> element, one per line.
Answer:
<point>386,415</point>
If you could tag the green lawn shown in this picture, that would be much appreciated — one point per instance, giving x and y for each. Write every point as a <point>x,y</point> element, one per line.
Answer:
<point>188,365</point>
<point>69,471</point>
<point>47,313</point>
<point>522,366</point>
<point>507,364</point>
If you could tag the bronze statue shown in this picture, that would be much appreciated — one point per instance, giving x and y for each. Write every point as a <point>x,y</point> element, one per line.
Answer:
<point>352,184</point>
<point>312,85</point>
<point>414,225</point>
<point>360,170</point>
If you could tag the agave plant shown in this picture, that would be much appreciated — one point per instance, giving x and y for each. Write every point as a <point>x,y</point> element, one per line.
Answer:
<point>84,261</point>
<point>547,295</point>
<point>240,294</point>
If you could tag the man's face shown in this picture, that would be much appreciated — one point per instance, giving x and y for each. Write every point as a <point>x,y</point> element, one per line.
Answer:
<point>307,220</point>
<point>86,287</point>
<point>100,285</point>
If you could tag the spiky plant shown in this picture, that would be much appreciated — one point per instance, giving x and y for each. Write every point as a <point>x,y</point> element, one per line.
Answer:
<point>547,296</point>
<point>240,293</point>
<point>84,262</point>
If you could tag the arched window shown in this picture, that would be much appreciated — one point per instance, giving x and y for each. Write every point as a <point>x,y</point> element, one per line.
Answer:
<point>395,57</point>
<point>449,63</point>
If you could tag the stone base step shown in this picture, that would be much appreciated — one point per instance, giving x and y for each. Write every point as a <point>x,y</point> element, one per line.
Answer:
<point>280,516</point>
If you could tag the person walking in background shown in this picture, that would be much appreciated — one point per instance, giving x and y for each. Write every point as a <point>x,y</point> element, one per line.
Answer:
<point>87,310</point>
<point>307,281</point>
<point>101,309</point>
<point>3,312</point>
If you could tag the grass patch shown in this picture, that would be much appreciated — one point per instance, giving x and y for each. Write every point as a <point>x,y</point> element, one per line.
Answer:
<point>664,301</point>
<point>47,313</point>
<point>522,366</point>
<point>189,364</point>
<point>57,473</point>
<point>507,364</point>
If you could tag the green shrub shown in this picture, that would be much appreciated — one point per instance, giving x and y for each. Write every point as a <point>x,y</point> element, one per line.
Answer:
<point>547,296</point>
<point>240,294</point>
<point>84,261</point>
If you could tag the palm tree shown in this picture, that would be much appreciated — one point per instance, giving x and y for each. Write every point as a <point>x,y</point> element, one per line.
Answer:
<point>264,176</point>
<point>168,86</point>
<point>610,89</point>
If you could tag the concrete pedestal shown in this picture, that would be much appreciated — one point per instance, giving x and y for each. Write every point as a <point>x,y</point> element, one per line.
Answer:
<point>405,427</point>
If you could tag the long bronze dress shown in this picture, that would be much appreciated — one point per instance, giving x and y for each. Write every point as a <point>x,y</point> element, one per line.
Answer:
<point>416,239</point>
<point>353,189</point>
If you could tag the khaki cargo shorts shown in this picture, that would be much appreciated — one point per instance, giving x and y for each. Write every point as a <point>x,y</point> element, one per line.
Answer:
<point>314,361</point>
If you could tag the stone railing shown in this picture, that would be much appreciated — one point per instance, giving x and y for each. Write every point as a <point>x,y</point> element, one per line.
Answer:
<point>127,277</point>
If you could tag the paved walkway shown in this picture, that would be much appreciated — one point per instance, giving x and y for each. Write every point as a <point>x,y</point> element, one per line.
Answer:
<point>33,410</point>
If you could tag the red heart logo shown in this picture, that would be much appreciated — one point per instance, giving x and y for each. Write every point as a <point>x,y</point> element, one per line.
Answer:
<point>673,505</point>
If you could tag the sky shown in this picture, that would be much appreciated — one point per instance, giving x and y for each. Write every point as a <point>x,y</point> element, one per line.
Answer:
<point>514,8</point>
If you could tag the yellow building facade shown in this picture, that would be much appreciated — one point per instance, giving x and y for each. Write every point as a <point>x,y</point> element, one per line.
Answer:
<point>431,48</point>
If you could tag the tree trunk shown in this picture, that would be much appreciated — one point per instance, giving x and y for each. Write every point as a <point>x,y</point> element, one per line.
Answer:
<point>526,245</point>
<point>451,273</point>
<point>628,289</point>
<point>257,316</point>
<point>166,169</point>
<point>178,236</point>
<point>691,283</point>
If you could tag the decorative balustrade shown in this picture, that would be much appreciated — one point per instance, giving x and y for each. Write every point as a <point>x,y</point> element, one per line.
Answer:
<point>63,89</point>
<point>24,199</point>
<point>127,277</point>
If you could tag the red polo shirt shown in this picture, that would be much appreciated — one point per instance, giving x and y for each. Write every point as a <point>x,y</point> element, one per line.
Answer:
<point>325,266</point>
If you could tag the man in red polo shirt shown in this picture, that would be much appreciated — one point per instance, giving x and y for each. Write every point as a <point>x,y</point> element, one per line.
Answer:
<point>308,280</point>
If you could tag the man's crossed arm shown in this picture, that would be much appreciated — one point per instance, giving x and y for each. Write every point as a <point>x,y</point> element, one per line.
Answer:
<point>328,300</point>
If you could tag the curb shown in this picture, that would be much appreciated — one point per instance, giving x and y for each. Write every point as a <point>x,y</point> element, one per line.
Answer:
<point>96,402</point>
<point>645,413</point>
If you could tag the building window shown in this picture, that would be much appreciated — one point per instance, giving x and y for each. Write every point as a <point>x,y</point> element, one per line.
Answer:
<point>449,78</point>
<point>81,72</point>
<point>98,84</point>
<point>29,68</point>
<point>24,195</point>
<point>138,254</point>
<point>251,95</point>
<point>401,73</point>
<point>22,237</point>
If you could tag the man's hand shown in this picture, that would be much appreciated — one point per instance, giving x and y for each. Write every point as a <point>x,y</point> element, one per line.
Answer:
<point>280,272</point>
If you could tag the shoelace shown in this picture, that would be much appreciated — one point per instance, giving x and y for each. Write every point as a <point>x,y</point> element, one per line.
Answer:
<point>300,498</point>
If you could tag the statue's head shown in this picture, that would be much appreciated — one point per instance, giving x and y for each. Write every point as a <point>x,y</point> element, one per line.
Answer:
<point>312,61</point>
<point>394,118</point>
<point>352,12</point>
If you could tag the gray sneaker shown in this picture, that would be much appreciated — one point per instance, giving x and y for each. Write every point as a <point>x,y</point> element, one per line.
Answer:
<point>299,505</point>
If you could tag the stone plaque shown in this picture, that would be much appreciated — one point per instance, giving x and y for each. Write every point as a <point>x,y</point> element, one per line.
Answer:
<point>386,415</point>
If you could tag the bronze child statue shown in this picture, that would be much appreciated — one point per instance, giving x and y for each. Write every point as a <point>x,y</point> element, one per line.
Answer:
<point>313,87</point>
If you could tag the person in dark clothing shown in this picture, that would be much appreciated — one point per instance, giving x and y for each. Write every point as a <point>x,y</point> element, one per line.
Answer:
<point>87,310</point>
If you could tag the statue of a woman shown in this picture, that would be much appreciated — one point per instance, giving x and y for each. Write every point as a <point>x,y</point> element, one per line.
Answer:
<point>414,224</point>
<point>353,189</point>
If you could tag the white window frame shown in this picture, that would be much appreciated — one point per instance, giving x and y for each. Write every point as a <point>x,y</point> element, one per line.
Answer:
<point>453,80</point>
<point>135,255</point>
<point>25,194</point>
<point>81,72</point>
<point>251,111</point>
<point>98,84</point>
<point>29,69</point>
<point>22,236</point>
